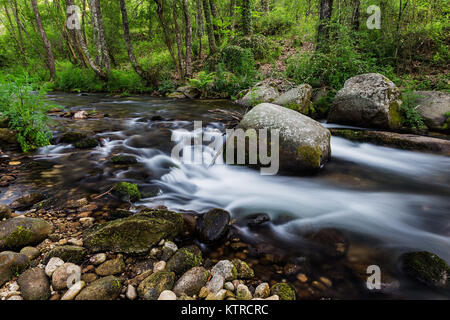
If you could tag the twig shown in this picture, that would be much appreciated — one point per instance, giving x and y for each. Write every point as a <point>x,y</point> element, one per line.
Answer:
<point>104,194</point>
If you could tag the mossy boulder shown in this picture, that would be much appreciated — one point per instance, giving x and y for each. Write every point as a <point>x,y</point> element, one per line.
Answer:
<point>434,108</point>
<point>136,234</point>
<point>367,100</point>
<point>426,268</point>
<point>72,137</point>
<point>243,269</point>
<point>87,143</point>
<point>213,225</point>
<point>73,254</point>
<point>11,263</point>
<point>184,259</point>
<point>107,288</point>
<point>27,201</point>
<point>20,232</point>
<point>283,290</point>
<point>127,191</point>
<point>123,159</point>
<point>304,144</point>
<point>298,98</point>
<point>151,287</point>
<point>259,94</point>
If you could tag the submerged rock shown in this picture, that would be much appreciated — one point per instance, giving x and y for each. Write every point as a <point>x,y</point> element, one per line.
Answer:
<point>330,241</point>
<point>107,288</point>
<point>34,284</point>
<point>367,100</point>
<point>19,232</point>
<point>72,137</point>
<point>427,268</point>
<point>27,201</point>
<point>87,143</point>
<point>10,264</point>
<point>304,143</point>
<point>151,287</point>
<point>136,234</point>
<point>123,159</point>
<point>213,225</point>
<point>434,108</point>
<point>127,191</point>
<point>5,212</point>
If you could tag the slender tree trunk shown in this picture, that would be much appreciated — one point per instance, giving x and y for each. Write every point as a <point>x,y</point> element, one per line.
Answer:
<point>47,44</point>
<point>188,40</point>
<point>178,37</point>
<point>232,5</point>
<point>246,18</point>
<point>84,48</point>
<point>18,23</point>
<point>83,19</point>
<point>209,27</point>
<point>126,33</point>
<point>200,25</point>
<point>215,19</point>
<point>11,29</point>
<point>323,31</point>
<point>356,14</point>
<point>95,33</point>
<point>102,38</point>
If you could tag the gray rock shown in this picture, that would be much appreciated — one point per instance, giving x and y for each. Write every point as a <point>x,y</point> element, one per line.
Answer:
<point>304,143</point>
<point>17,233</point>
<point>30,252</point>
<point>184,259</point>
<point>367,100</point>
<point>10,264</point>
<point>151,287</point>
<point>216,283</point>
<point>131,293</point>
<point>191,281</point>
<point>167,295</point>
<point>74,254</point>
<point>259,94</point>
<point>111,267</point>
<point>243,293</point>
<point>226,269</point>
<point>262,291</point>
<point>73,291</point>
<point>66,275</point>
<point>53,264</point>
<point>34,284</point>
<point>169,248</point>
<point>27,201</point>
<point>107,288</point>
<point>434,107</point>
<point>189,92</point>
<point>298,98</point>
<point>97,259</point>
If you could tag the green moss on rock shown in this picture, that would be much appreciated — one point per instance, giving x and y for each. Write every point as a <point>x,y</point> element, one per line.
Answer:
<point>123,159</point>
<point>73,254</point>
<point>73,136</point>
<point>151,287</point>
<point>184,259</point>
<point>311,156</point>
<point>243,271</point>
<point>127,191</point>
<point>283,290</point>
<point>87,143</point>
<point>427,268</point>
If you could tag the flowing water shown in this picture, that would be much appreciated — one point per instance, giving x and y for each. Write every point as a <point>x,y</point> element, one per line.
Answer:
<point>388,201</point>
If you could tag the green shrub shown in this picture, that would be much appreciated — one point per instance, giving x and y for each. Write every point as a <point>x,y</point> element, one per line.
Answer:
<point>125,80</point>
<point>227,84</point>
<point>22,106</point>
<point>258,44</point>
<point>412,117</point>
<point>76,79</point>
<point>238,60</point>
<point>202,81</point>
<point>276,22</point>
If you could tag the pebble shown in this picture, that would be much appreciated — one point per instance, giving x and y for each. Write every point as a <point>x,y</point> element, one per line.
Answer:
<point>326,281</point>
<point>217,296</point>
<point>131,293</point>
<point>302,277</point>
<point>17,297</point>
<point>97,259</point>
<point>30,252</point>
<point>53,264</point>
<point>159,266</point>
<point>65,275</point>
<point>319,285</point>
<point>73,290</point>
<point>262,291</point>
<point>204,292</point>
<point>76,242</point>
<point>243,293</point>
<point>216,283</point>
<point>226,269</point>
<point>167,295</point>
<point>229,286</point>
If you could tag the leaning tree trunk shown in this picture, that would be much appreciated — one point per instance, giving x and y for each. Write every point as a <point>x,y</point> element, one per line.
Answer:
<point>101,36</point>
<point>188,40</point>
<point>323,31</point>
<point>126,34</point>
<point>200,25</point>
<point>47,44</point>
<point>209,27</point>
<point>178,38</point>
<point>82,43</point>
<point>246,18</point>
<point>356,14</point>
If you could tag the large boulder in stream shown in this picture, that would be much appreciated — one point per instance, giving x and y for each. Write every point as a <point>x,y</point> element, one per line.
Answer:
<point>19,232</point>
<point>136,234</point>
<point>304,143</point>
<point>367,100</point>
<point>434,108</point>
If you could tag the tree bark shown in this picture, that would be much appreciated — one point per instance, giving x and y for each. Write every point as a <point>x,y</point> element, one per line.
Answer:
<point>246,18</point>
<point>178,38</point>
<point>101,36</point>
<point>126,33</point>
<point>215,18</point>
<point>323,31</point>
<point>200,25</point>
<point>47,44</point>
<point>188,40</point>
<point>356,14</point>
<point>209,27</point>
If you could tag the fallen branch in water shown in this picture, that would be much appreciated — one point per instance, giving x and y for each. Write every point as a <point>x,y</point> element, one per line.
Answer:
<point>104,194</point>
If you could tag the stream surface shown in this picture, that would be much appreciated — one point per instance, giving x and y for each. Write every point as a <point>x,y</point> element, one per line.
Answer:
<point>388,201</point>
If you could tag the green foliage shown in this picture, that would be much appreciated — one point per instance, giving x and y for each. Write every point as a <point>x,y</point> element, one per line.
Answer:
<point>227,84</point>
<point>127,191</point>
<point>413,119</point>
<point>276,22</point>
<point>238,60</point>
<point>76,79</point>
<point>22,106</point>
<point>202,81</point>
<point>125,80</point>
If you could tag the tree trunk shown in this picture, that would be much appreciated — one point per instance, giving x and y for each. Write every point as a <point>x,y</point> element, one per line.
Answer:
<point>246,18</point>
<point>126,33</point>
<point>178,38</point>
<point>209,27</point>
<point>200,25</point>
<point>47,44</point>
<point>188,40</point>
<point>215,18</point>
<point>323,31</point>
<point>101,36</point>
<point>82,44</point>
<point>265,4</point>
<point>356,14</point>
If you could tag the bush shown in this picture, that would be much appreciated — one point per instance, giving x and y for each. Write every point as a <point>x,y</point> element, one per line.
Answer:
<point>238,60</point>
<point>258,44</point>
<point>76,79</point>
<point>227,84</point>
<point>125,81</point>
<point>276,22</point>
<point>24,110</point>
<point>412,117</point>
